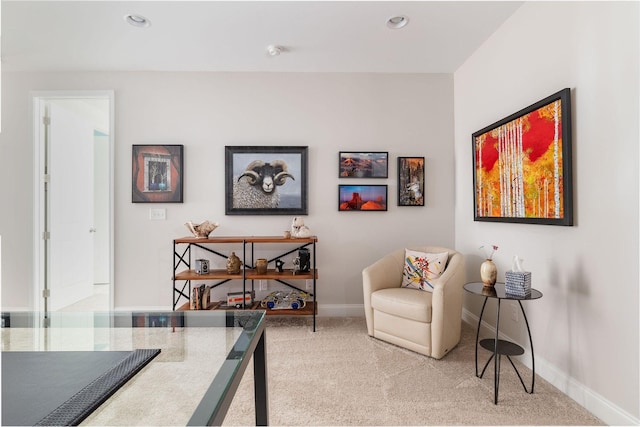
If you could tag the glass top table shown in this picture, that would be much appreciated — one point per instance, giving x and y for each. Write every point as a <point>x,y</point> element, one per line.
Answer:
<point>191,381</point>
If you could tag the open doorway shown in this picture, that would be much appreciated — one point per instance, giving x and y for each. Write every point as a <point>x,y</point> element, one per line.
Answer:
<point>73,158</point>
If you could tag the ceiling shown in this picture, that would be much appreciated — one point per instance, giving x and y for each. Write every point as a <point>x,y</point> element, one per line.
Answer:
<point>318,36</point>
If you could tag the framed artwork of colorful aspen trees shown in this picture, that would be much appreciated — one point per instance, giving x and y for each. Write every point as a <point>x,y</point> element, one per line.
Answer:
<point>522,165</point>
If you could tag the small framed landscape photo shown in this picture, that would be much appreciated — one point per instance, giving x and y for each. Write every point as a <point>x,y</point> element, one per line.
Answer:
<point>372,164</point>
<point>362,198</point>
<point>157,175</point>
<point>266,180</point>
<point>410,181</point>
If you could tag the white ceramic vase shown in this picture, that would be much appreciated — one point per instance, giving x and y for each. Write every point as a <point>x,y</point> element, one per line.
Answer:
<point>488,273</point>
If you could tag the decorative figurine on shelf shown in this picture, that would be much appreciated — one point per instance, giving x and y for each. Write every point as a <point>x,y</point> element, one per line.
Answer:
<point>261,265</point>
<point>279,266</point>
<point>302,263</point>
<point>298,229</point>
<point>279,300</point>
<point>202,230</point>
<point>233,264</point>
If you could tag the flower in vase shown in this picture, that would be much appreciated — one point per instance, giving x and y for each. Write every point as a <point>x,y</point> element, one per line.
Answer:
<point>488,255</point>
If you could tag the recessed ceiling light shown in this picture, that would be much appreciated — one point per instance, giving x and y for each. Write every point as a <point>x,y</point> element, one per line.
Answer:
<point>397,22</point>
<point>275,50</point>
<point>137,20</point>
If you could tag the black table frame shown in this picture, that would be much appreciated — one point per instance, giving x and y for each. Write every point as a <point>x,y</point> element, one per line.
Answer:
<point>497,346</point>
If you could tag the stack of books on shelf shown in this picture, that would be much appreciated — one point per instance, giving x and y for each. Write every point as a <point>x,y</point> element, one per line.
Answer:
<point>518,283</point>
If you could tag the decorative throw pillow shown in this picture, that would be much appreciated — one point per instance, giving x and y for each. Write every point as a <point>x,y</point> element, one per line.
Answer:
<point>421,267</point>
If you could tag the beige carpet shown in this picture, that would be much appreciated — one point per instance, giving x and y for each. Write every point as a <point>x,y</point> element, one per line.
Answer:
<point>340,376</point>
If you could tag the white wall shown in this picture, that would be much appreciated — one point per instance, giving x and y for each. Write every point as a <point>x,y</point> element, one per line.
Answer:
<point>585,328</point>
<point>407,115</point>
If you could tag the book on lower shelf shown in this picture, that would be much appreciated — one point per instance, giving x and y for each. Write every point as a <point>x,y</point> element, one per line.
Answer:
<point>200,297</point>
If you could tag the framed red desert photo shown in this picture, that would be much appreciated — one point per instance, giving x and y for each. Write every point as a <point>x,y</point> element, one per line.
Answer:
<point>522,165</point>
<point>362,198</point>
<point>157,173</point>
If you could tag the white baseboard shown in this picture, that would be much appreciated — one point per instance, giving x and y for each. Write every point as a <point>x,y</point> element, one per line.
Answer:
<point>584,396</point>
<point>145,308</point>
<point>340,310</point>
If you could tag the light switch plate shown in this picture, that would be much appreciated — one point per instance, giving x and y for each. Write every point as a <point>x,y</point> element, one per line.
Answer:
<point>158,214</point>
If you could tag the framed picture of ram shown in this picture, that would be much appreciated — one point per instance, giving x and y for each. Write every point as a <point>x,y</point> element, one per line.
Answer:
<point>522,165</point>
<point>410,181</point>
<point>266,180</point>
<point>157,175</point>
<point>370,164</point>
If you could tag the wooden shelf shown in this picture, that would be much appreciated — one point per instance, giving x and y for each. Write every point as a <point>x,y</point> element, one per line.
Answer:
<point>217,274</point>
<point>247,239</point>
<point>308,309</point>
<point>273,274</point>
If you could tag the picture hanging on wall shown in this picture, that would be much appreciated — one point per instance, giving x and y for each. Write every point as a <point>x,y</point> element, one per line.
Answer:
<point>410,181</point>
<point>522,165</point>
<point>362,198</point>
<point>157,175</point>
<point>266,180</point>
<point>371,164</point>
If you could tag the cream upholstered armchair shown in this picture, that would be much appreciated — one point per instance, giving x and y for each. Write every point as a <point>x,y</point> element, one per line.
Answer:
<point>425,322</point>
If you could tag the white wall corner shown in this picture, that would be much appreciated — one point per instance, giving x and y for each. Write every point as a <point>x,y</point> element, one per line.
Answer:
<point>584,396</point>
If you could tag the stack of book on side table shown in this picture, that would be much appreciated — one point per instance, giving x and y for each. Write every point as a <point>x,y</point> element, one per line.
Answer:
<point>518,283</point>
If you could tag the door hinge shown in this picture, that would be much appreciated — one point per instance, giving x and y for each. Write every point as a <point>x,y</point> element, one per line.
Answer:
<point>46,235</point>
<point>47,178</point>
<point>46,293</point>
<point>46,121</point>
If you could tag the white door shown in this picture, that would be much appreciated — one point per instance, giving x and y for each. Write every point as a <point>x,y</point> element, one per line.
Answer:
<point>70,207</point>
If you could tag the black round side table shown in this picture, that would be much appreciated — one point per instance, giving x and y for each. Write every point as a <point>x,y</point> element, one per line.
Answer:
<point>497,346</point>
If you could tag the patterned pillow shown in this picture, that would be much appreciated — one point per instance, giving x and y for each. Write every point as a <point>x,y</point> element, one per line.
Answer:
<point>421,267</point>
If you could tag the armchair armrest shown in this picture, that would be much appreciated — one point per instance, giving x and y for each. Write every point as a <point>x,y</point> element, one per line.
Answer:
<point>384,273</point>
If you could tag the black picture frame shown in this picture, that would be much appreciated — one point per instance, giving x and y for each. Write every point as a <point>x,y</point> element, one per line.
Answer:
<point>411,181</point>
<point>362,198</point>
<point>157,174</point>
<point>288,164</point>
<point>363,164</point>
<point>522,165</point>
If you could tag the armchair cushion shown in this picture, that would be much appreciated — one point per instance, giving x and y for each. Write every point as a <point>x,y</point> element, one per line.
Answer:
<point>420,268</point>
<point>408,303</point>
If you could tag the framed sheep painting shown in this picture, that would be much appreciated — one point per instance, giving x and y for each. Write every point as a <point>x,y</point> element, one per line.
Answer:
<point>266,180</point>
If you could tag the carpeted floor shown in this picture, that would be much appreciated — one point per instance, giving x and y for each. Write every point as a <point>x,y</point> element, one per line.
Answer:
<point>341,376</point>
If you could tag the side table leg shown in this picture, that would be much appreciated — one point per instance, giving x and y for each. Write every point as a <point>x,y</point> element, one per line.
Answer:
<point>478,335</point>
<point>496,378</point>
<point>533,357</point>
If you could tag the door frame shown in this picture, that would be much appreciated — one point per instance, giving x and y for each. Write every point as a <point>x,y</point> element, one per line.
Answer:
<point>37,100</point>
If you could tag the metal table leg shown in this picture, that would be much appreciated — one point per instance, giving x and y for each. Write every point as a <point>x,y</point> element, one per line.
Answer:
<point>478,336</point>
<point>260,382</point>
